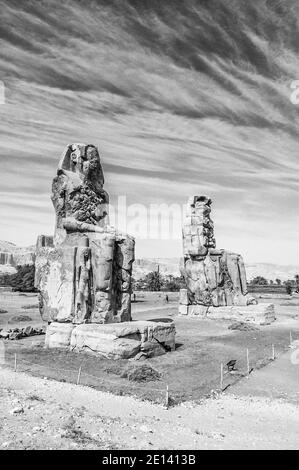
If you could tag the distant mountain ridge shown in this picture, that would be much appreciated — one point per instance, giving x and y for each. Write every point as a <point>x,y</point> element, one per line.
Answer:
<point>11,255</point>
<point>171,266</point>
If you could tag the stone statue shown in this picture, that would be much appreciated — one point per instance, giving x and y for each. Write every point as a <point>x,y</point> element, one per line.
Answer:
<point>84,273</point>
<point>88,262</point>
<point>214,278</point>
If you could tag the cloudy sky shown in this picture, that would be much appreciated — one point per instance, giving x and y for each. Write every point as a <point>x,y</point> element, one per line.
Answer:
<point>182,98</point>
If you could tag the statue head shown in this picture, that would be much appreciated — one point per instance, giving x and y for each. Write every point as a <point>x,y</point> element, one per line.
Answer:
<point>84,160</point>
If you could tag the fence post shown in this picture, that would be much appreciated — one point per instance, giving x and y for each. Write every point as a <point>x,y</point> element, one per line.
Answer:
<point>15,362</point>
<point>221,377</point>
<point>79,375</point>
<point>273,352</point>
<point>167,397</point>
<point>291,339</point>
<point>247,359</point>
<point>2,352</point>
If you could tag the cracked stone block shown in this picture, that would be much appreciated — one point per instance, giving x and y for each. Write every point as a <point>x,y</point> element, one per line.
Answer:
<point>58,335</point>
<point>92,338</point>
<point>261,314</point>
<point>152,349</point>
<point>184,297</point>
<point>116,340</point>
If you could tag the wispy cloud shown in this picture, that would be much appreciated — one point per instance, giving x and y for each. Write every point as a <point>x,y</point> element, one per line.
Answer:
<point>182,98</point>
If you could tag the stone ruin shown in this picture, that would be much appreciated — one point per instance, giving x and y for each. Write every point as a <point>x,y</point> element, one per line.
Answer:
<point>83,273</point>
<point>215,279</point>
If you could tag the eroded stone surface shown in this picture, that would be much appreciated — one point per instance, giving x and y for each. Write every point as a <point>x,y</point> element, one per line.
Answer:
<point>214,278</point>
<point>80,202</point>
<point>261,314</point>
<point>58,335</point>
<point>115,341</point>
<point>84,272</point>
<point>198,229</point>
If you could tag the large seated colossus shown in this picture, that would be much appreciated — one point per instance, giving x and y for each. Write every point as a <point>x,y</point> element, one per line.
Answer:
<point>83,273</point>
<point>214,278</point>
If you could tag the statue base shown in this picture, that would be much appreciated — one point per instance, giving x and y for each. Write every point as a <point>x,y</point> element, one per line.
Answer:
<point>115,340</point>
<point>260,314</point>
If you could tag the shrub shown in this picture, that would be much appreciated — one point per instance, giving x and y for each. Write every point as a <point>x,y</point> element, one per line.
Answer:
<point>22,281</point>
<point>289,288</point>
<point>141,373</point>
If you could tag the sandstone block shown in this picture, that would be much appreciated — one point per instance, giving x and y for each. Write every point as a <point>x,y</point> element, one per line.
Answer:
<point>58,335</point>
<point>183,309</point>
<point>92,338</point>
<point>153,348</point>
<point>184,297</point>
<point>261,314</point>
<point>115,340</point>
<point>124,340</point>
<point>198,310</point>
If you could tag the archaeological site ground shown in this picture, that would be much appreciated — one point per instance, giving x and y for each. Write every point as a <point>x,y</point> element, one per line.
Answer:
<point>192,372</point>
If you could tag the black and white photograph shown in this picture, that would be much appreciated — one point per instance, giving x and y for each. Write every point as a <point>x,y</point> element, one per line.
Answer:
<point>149,228</point>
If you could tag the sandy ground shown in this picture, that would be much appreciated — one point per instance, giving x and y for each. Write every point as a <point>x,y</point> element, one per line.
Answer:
<point>43,414</point>
<point>279,379</point>
<point>259,412</point>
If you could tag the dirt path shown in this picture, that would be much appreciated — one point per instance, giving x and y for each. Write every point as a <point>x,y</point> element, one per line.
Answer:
<point>38,413</point>
<point>280,379</point>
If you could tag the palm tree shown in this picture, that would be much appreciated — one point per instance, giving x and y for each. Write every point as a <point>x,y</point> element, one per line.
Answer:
<point>297,282</point>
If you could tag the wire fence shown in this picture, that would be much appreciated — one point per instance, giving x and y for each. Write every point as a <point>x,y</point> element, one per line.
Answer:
<point>16,362</point>
<point>165,394</point>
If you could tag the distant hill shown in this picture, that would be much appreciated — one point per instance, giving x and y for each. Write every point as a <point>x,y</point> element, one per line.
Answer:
<point>12,255</point>
<point>7,246</point>
<point>171,266</point>
<point>168,266</point>
<point>271,271</point>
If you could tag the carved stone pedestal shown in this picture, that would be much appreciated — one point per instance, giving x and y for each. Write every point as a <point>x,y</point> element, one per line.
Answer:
<point>114,341</point>
<point>261,314</point>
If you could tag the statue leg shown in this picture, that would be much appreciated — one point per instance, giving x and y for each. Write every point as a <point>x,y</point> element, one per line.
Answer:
<point>122,278</point>
<point>83,285</point>
<point>102,252</point>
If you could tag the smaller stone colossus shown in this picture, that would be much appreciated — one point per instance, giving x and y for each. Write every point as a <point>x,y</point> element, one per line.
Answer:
<point>213,277</point>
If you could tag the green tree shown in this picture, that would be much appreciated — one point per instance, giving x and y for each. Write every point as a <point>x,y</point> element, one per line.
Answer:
<point>153,281</point>
<point>259,281</point>
<point>22,280</point>
<point>173,283</point>
<point>278,282</point>
<point>289,288</point>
